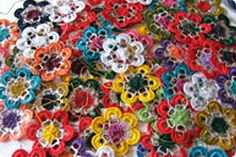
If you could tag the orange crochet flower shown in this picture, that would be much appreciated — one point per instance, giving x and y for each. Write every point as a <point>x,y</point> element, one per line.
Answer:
<point>52,61</point>
<point>8,33</point>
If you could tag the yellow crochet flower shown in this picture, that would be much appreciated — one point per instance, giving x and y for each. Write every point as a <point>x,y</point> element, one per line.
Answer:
<point>115,129</point>
<point>218,125</point>
<point>136,84</point>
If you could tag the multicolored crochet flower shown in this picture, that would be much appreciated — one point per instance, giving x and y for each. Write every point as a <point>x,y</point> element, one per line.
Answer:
<point>32,14</point>
<point>174,80</point>
<point>200,90</point>
<point>122,13</point>
<point>3,55</point>
<point>85,97</point>
<point>35,38</point>
<point>218,125</point>
<point>188,28</point>
<point>18,88</point>
<point>202,151</point>
<point>115,129</point>
<point>227,84</point>
<point>122,52</point>
<point>176,119</point>
<point>170,53</point>
<point>205,7</point>
<point>8,33</point>
<point>53,98</point>
<point>91,43</point>
<point>52,61</point>
<point>64,10</point>
<point>51,131</point>
<point>136,84</point>
<point>221,30</point>
<point>13,122</point>
<point>158,20</point>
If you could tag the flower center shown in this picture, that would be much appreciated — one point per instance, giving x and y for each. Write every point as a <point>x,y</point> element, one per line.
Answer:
<point>122,11</point>
<point>17,89</point>
<point>10,120</point>
<point>204,6</point>
<point>176,52</point>
<point>219,125</point>
<point>33,15</point>
<point>4,34</point>
<point>204,60</point>
<point>50,133</point>
<point>83,99</point>
<point>179,118</point>
<point>53,62</point>
<point>136,83</point>
<point>49,101</point>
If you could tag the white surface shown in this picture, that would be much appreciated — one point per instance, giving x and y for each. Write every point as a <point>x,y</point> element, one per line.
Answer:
<point>7,148</point>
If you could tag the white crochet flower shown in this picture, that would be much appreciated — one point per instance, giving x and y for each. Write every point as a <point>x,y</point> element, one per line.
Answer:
<point>64,10</point>
<point>122,52</point>
<point>144,2</point>
<point>200,90</point>
<point>34,38</point>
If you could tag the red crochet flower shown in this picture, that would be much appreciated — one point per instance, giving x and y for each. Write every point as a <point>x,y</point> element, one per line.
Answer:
<point>189,28</point>
<point>201,58</point>
<point>122,13</point>
<point>176,118</point>
<point>39,152</point>
<point>51,131</point>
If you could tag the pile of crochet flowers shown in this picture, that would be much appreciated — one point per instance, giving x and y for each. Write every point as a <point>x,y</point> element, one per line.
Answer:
<point>109,78</point>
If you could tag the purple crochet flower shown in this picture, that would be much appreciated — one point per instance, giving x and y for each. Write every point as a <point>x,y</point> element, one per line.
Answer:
<point>227,84</point>
<point>170,53</point>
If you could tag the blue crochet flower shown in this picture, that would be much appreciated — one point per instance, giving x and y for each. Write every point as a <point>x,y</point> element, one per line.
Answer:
<point>92,40</point>
<point>201,151</point>
<point>4,34</point>
<point>18,88</point>
<point>175,80</point>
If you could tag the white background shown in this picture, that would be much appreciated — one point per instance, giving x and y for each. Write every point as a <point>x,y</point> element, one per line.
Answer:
<point>7,8</point>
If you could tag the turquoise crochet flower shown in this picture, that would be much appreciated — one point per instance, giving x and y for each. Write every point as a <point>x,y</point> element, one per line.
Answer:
<point>92,40</point>
<point>175,80</point>
<point>201,151</point>
<point>18,88</point>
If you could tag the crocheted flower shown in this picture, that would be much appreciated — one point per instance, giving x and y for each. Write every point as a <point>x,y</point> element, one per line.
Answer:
<point>35,38</point>
<point>202,151</point>
<point>160,144</point>
<point>136,84</point>
<point>218,125</point>
<point>174,80</point>
<point>122,13</point>
<point>8,33</point>
<point>157,20</point>
<point>200,58</point>
<point>227,84</point>
<point>141,151</point>
<point>115,129</point>
<point>52,61</point>
<point>205,7</point>
<point>64,10</point>
<point>170,53</point>
<point>13,123</point>
<point>39,152</point>
<point>31,14</point>
<point>200,90</point>
<point>122,52</point>
<point>51,131</point>
<point>3,55</point>
<point>143,2</point>
<point>188,28</point>
<point>176,119</point>
<point>84,97</point>
<point>91,42</point>
<point>18,88</point>
<point>53,98</point>
<point>221,30</point>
